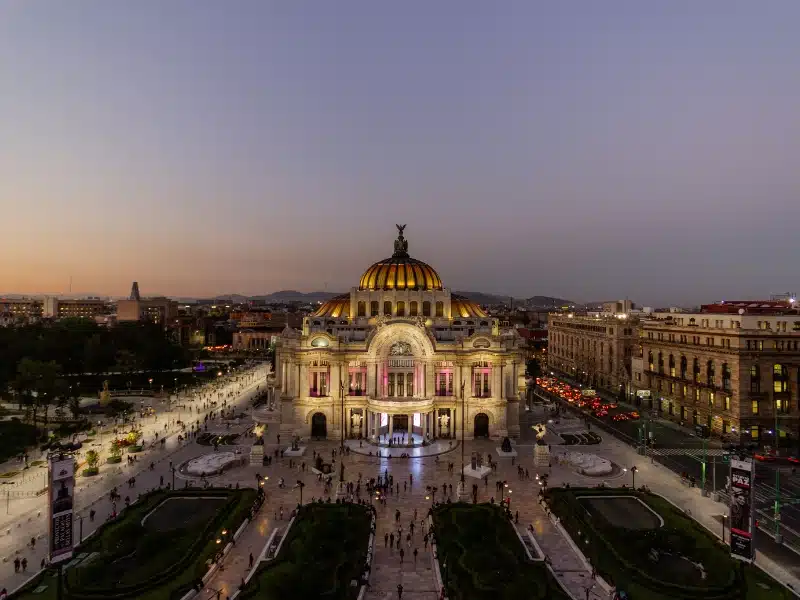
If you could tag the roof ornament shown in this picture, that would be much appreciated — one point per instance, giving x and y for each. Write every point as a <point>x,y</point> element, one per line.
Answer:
<point>400,244</point>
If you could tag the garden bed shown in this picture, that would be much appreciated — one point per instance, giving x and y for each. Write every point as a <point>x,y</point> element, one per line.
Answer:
<point>482,558</point>
<point>324,551</point>
<point>157,549</point>
<point>650,561</point>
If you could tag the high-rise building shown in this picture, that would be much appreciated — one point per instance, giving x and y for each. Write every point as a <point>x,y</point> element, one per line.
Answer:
<point>135,291</point>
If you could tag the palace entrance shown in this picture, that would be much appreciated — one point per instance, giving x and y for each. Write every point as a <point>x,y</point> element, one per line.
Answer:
<point>400,423</point>
<point>319,426</point>
<point>481,425</point>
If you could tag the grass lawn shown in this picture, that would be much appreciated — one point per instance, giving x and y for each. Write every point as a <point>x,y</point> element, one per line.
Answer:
<point>325,550</point>
<point>157,548</point>
<point>631,549</point>
<point>485,559</point>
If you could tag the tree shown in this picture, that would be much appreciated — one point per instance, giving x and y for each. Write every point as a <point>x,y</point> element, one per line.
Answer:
<point>39,384</point>
<point>92,458</point>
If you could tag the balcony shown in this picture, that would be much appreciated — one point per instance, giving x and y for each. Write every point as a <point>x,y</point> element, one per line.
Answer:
<point>314,393</point>
<point>355,392</point>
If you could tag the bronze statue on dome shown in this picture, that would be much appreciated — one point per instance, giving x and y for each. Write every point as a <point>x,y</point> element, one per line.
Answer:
<point>400,244</point>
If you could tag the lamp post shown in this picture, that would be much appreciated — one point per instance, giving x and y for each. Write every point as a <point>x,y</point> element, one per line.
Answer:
<point>341,396</point>
<point>300,486</point>
<point>723,527</point>
<point>633,477</point>
<point>463,404</point>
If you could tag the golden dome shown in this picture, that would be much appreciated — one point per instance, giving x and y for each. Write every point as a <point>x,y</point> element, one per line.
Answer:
<point>336,307</point>
<point>400,272</point>
<point>465,308</point>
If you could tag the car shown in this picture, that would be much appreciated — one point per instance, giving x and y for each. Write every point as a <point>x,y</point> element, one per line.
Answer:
<point>620,417</point>
<point>764,456</point>
<point>633,415</point>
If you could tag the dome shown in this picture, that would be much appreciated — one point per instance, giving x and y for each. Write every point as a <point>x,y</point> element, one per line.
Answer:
<point>465,308</point>
<point>400,271</point>
<point>336,307</point>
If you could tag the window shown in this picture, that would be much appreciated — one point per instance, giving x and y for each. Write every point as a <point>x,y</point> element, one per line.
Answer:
<point>660,363</point>
<point>726,377</point>
<point>440,309</point>
<point>387,308</point>
<point>697,395</point>
<point>754,432</point>
<point>400,383</point>
<point>727,402</point>
<point>780,378</point>
<point>374,308</point>
<point>410,385</point>
<point>401,309</point>
<point>685,390</point>
<point>683,367</point>
<point>426,309</point>
<point>650,360</point>
<point>362,309</point>
<point>412,311</point>
<point>782,406</point>
<point>711,398</point>
<point>710,372</point>
<point>754,406</point>
<point>671,366</point>
<point>695,370</point>
<point>391,384</point>
<point>755,379</point>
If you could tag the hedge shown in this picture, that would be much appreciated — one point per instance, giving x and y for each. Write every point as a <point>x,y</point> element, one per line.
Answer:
<point>621,555</point>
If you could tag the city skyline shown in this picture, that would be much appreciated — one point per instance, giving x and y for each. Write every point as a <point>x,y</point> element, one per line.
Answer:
<point>579,151</point>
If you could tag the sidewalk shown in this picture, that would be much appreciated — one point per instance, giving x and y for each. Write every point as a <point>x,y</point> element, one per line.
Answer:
<point>31,520</point>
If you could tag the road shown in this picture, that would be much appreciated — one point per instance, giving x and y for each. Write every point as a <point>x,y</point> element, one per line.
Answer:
<point>681,451</point>
<point>30,520</point>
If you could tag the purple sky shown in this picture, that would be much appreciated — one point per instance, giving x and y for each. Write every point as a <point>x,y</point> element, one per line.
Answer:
<point>582,149</point>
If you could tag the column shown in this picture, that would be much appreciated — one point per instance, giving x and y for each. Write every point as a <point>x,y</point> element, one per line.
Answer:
<point>425,425</point>
<point>391,425</point>
<point>305,384</point>
<point>410,425</point>
<point>453,423</point>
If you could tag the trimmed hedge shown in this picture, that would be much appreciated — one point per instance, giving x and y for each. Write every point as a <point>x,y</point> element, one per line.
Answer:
<point>621,555</point>
<point>485,559</point>
<point>325,550</point>
<point>174,561</point>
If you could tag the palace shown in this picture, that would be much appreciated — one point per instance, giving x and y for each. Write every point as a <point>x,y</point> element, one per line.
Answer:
<point>400,353</point>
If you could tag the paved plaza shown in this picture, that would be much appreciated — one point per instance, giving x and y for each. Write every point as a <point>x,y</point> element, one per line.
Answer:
<point>412,476</point>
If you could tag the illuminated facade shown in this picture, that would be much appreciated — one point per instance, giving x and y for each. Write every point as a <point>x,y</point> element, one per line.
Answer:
<point>394,355</point>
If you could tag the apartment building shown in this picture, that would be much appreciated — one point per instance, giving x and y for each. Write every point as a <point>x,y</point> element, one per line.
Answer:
<point>593,348</point>
<point>65,308</point>
<point>733,367</point>
<point>21,308</point>
<point>162,311</point>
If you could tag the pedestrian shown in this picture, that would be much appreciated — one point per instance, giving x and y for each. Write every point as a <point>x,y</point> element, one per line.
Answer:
<point>399,591</point>
<point>385,540</point>
<point>391,540</point>
<point>416,551</point>
<point>25,564</point>
<point>402,554</point>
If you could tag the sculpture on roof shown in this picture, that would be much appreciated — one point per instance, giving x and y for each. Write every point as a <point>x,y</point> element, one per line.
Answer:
<point>400,244</point>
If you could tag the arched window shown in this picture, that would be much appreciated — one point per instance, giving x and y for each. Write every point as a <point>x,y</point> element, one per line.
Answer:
<point>412,309</point>
<point>426,309</point>
<point>484,323</point>
<point>401,309</point>
<point>362,309</point>
<point>710,372</point>
<point>387,308</point>
<point>374,308</point>
<point>650,360</point>
<point>440,309</point>
<point>683,367</point>
<point>695,370</point>
<point>660,362</point>
<point>671,366</point>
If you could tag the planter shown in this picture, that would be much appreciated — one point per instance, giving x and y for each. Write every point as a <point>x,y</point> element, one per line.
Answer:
<point>90,471</point>
<point>134,449</point>
<point>112,460</point>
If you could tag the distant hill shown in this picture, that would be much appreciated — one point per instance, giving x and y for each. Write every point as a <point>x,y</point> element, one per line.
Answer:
<point>481,298</point>
<point>547,302</point>
<point>295,296</point>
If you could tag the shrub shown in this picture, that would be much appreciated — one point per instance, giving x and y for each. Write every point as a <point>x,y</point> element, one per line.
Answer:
<point>92,458</point>
<point>90,471</point>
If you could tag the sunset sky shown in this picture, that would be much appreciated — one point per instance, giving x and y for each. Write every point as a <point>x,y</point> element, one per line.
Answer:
<point>582,149</point>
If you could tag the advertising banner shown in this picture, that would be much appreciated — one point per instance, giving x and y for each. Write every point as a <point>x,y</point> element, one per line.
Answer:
<point>589,392</point>
<point>61,495</point>
<point>742,509</point>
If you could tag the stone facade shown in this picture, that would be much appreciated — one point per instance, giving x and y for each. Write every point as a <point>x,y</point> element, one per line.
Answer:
<point>429,366</point>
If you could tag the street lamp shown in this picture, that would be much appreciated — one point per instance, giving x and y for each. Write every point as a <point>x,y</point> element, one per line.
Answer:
<point>723,527</point>
<point>633,476</point>
<point>341,395</point>
<point>463,404</point>
<point>300,485</point>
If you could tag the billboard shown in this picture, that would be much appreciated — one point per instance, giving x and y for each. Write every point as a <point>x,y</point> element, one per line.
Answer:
<point>61,497</point>
<point>742,509</point>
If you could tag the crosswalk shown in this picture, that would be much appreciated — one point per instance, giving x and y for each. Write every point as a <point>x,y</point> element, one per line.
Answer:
<point>689,452</point>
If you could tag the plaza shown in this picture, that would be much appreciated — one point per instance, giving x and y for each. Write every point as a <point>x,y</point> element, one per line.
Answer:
<point>417,483</point>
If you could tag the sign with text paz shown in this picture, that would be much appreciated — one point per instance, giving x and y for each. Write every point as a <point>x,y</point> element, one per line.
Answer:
<point>643,393</point>
<point>61,495</point>
<point>742,509</point>
<point>589,392</point>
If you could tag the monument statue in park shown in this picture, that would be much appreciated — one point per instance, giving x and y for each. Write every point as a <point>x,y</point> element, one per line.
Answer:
<point>105,395</point>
